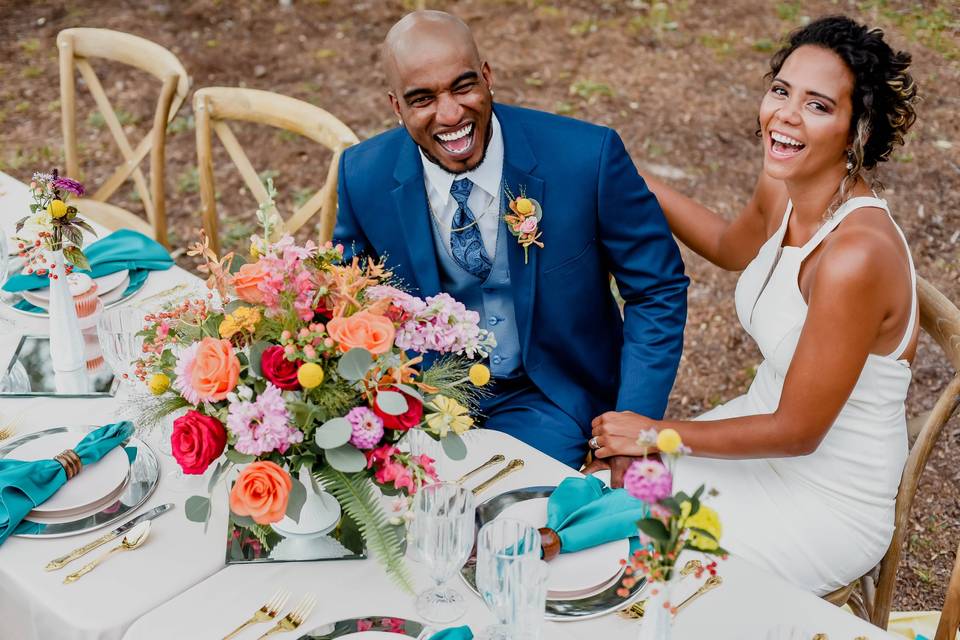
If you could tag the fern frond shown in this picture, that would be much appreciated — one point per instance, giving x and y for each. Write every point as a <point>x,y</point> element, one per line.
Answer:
<point>358,498</point>
<point>148,411</point>
<point>450,374</point>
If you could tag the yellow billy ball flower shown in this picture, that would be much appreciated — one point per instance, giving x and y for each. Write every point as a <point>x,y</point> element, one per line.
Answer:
<point>159,382</point>
<point>708,520</point>
<point>310,375</point>
<point>479,375</point>
<point>669,441</point>
<point>524,206</point>
<point>57,208</point>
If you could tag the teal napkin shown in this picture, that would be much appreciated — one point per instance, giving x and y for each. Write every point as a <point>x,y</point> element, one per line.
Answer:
<point>586,513</point>
<point>122,249</point>
<point>25,485</point>
<point>454,633</point>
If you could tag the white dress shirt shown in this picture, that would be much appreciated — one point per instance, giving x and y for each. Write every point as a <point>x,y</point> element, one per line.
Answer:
<point>484,200</point>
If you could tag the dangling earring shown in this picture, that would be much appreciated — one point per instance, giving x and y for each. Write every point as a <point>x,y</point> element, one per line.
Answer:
<point>849,160</point>
<point>400,122</point>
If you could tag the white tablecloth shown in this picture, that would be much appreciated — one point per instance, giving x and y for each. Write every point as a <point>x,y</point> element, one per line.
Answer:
<point>177,586</point>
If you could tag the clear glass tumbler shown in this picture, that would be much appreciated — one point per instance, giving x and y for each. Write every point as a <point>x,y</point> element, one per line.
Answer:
<point>442,535</point>
<point>511,579</point>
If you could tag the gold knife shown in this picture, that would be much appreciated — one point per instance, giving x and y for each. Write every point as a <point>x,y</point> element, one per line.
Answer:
<point>63,561</point>
<point>497,459</point>
<point>512,466</point>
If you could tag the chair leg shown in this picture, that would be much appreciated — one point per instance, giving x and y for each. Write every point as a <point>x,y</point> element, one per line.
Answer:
<point>856,605</point>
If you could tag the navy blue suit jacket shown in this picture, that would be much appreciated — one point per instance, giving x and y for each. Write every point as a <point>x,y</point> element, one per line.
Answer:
<point>599,218</point>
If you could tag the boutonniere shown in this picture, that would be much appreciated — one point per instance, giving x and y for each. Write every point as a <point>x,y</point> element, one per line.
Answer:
<point>524,220</point>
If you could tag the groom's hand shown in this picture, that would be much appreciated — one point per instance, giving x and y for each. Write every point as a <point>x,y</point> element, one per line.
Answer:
<point>617,465</point>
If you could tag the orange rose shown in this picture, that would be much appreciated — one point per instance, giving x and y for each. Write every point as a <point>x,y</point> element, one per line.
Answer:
<point>261,491</point>
<point>363,330</point>
<point>215,370</point>
<point>246,279</point>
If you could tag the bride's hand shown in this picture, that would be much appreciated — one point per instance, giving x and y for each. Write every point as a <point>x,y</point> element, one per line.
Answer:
<point>616,434</point>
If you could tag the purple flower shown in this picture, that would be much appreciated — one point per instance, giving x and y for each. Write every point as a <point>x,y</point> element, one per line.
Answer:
<point>262,426</point>
<point>367,427</point>
<point>648,480</point>
<point>66,184</point>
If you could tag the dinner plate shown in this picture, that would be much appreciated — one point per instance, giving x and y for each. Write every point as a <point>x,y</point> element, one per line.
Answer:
<point>105,284</point>
<point>598,604</point>
<point>117,296</point>
<point>93,487</point>
<point>573,575</point>
<point>369,628</point>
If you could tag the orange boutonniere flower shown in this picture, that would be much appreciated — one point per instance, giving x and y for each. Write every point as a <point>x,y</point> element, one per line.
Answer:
<point>523,221</point>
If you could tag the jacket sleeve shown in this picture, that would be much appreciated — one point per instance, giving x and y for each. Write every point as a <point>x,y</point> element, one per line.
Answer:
<point>645,261</point>
<point>347,230</point>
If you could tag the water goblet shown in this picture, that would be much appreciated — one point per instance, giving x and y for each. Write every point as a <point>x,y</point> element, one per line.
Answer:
<point>118,331</point>
<point>511,578</point>
<point>443,537</point>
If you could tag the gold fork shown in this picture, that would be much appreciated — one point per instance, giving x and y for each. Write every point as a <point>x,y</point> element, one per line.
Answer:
<point>295,618</point>
<point>266,613</point>
<point>7,431</point>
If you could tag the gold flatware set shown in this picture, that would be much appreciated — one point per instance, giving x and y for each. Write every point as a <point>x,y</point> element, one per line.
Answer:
<point>271,609</point>
<point>635,611</point>
<point>495,460</point>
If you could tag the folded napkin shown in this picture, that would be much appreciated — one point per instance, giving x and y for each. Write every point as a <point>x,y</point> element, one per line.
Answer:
<point>454,633</point>
<point>25,485</point>
<point>586,513</point>
<point>122,249</point>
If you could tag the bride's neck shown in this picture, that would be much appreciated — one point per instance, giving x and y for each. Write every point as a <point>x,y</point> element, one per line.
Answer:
<point>812,196</point>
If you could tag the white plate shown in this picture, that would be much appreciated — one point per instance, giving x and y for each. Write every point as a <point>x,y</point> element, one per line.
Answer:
<point>573,575</point>
<point>105,284</point>
<point>116,293</point>
<point>91,487</point>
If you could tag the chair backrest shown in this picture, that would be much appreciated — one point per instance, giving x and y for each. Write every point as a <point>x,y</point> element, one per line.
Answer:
<point>214,106</point>
<point>950,615</point>
<point>941,319</point>
<point>76,47</point>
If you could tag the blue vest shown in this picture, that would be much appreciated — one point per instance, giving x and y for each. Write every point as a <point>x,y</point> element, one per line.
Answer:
<point>492,299</point>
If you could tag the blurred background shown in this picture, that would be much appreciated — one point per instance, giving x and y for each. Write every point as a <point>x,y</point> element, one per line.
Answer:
<point>679,80</point>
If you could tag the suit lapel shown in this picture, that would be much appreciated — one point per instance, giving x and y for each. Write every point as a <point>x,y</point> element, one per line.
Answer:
<point>412,212</point>
<point>518,162</point>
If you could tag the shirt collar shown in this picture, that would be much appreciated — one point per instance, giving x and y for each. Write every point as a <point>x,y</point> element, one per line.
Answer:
<point>486,175</point>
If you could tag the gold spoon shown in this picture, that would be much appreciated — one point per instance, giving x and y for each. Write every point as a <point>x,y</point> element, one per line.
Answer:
<point>135,538</point>
<point>497,459</point>
<point>512,466</point>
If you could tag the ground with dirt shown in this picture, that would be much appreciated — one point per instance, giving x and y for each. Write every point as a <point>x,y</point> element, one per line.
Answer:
<point>680,81</point>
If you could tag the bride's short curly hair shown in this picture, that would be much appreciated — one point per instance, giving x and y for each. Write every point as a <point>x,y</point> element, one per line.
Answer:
<point>883,91</point>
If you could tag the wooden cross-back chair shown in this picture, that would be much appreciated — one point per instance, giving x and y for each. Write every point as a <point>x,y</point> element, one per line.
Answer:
<point>950,615</point>
<point>76,47</point>
<point>940,318</point>
<point>214,106</point>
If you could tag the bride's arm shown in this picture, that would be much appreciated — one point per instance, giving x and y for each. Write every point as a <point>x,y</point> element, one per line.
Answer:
<point>729,244</point>
<point>846,311</point>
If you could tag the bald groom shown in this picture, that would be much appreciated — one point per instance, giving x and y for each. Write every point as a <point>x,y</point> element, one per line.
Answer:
<point>430,195</point>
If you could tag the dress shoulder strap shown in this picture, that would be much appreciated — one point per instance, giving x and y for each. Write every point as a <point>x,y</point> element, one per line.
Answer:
<point>908,334</point>
<point>845,209</point>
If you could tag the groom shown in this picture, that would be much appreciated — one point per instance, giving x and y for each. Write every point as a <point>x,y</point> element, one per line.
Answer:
<point>430,196</point>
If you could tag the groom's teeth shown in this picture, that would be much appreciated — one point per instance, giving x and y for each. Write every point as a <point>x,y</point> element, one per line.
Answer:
<point>782,139</point>
<point>456,135</point>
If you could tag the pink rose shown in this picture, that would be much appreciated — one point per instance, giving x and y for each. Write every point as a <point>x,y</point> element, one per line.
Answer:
<point>197,441</point>
<point>529,225</point>
<point>247,279</point>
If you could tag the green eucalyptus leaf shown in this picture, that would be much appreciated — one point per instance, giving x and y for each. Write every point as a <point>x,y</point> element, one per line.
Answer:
<point>353,364</point>
<point>218,472</point>
<point>454,446</point>
<point>298,496</point>
<point>333,433</point>
<point>236,457</point>
<point>410,391</point>
<point>242,521</point>
<point>256,353</point>
<point>346,459</point>
<point>392,402</point>
<point>197,508</point>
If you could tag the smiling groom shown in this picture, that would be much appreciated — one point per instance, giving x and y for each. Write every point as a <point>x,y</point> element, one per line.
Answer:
<point>431,196</point>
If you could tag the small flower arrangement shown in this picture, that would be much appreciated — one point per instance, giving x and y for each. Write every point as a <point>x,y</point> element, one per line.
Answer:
<point>53,225</point>
<point>524,221</point>
<point>677,521</point>
<point>301,359</point>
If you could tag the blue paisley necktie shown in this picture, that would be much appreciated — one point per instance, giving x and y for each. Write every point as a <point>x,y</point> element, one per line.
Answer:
<point>466,244</point>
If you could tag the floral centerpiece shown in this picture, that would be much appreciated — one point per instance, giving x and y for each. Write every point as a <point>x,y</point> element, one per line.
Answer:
<point>676,521</point>
<point>300,359</point>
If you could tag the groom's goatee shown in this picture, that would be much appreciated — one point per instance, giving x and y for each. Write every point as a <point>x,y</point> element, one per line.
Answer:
<point>486,143</point>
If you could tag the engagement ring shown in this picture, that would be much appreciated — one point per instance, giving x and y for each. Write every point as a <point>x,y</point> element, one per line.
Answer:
<point>594,443</point>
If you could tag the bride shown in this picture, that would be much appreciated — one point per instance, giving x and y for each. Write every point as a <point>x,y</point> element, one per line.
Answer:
<point>807,462</point>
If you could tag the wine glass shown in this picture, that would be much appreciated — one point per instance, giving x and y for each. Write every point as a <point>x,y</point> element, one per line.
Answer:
<point>511,578</point>
<point>118,331</point>
<point>443,537</point>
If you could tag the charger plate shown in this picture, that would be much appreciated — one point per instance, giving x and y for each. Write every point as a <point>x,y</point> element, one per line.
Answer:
<point>141,483</point>
<point>370,627</point>
<point>567,610</point>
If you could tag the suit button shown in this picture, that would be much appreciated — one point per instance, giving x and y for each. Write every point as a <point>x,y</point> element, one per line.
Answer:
<point>496,359</point>
<point>492,321</point>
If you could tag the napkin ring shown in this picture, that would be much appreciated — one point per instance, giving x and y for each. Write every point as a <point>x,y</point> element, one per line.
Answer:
<point>70,462</point>
<point>550,543</point>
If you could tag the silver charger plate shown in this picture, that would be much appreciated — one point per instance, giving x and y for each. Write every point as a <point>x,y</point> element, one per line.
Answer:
<point>143,479</point>
<point>607,601</point>
<point>402,627</point>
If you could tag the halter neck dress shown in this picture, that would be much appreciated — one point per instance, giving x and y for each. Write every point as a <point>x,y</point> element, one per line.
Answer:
<point>824,519</point>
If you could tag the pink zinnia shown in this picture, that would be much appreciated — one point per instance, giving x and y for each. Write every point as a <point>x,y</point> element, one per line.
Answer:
<point>367,427</point>
<point>648,481</point>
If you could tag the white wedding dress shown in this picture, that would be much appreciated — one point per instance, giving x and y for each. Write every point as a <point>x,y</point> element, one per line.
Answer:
<point>821,520</point>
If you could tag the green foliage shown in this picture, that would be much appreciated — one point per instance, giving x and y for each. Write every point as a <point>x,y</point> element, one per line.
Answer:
<point>590,90</point>
<point>932,26</point>
<point>447,374</point>
<point>188,181</point>
<point>788,11</point>
<point>152,410</point>
<point>359,499</point>
<point>181,124</point>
